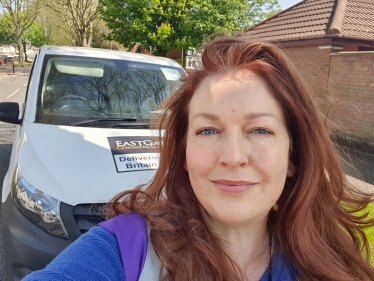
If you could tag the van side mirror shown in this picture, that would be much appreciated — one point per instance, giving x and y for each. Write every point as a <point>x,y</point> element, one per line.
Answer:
<point>9,112</point>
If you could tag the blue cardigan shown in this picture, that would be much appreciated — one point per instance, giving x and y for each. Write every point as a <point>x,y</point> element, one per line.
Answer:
<point>95,256</point>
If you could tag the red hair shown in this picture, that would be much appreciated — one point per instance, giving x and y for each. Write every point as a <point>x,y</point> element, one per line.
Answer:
<point>315,225</point>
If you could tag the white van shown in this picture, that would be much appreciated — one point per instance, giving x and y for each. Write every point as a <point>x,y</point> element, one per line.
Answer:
<point>82,136</point>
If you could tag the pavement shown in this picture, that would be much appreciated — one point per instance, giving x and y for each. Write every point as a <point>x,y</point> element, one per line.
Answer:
<point>361,185</point>
<point>7,69</point>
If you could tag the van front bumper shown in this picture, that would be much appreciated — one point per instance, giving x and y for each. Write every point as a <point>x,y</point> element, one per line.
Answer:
<point>26,246</point>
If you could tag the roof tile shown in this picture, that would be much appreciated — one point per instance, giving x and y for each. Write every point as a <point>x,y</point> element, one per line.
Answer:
<point>316,17</point>
<point>358,19</point>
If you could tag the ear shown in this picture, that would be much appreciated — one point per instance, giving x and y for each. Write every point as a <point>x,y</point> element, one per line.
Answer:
<point>291,169</point>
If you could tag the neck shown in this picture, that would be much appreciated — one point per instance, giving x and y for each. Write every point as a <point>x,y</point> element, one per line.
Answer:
<point>248,247</point>
<point>250,250</point>
<point>252,237</point>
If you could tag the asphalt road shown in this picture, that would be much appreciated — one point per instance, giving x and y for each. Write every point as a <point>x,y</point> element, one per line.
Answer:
<point>12,89</point>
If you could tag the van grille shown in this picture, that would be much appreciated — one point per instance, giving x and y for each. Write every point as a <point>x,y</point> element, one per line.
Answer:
<point>87,216</point>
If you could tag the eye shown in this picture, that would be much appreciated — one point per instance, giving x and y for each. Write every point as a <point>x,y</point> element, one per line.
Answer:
<point>262,131</point>
<point>206,131</point>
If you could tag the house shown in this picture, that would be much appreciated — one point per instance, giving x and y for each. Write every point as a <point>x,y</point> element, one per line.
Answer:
<point>9,51</point>
<point>332,44</point>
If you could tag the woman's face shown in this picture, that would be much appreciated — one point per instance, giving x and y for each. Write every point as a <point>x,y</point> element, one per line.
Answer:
<point>237,152</point>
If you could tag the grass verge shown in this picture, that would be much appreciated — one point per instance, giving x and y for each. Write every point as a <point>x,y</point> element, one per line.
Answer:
<point>370,232</point>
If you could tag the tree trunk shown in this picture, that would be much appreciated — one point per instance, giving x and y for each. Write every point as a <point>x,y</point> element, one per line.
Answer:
<point>84,38</point>
<point>20,51</point>
<point>90,36</point>
<point>25,51</point>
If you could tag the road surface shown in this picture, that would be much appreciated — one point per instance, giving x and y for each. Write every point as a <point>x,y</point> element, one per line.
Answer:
<point>12,89</point>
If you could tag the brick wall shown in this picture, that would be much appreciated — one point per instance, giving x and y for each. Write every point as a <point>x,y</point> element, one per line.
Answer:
<point>313,64</point>
<point>344,78</point>
<point>352,79</point>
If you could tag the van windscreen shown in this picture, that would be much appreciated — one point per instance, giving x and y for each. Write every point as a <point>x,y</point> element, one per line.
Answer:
<point>73,90</point>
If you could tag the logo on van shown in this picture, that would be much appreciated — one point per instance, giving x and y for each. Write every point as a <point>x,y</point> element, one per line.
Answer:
<point>135,153</point>
<point>129,145</point>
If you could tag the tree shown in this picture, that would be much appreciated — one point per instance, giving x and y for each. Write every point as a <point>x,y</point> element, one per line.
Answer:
<point>6,36</point>
<point>33,36</point>
<point>261,10</point>
<point>163,25</point>
<point>99,39</point>
<point>78,17</point>
<point>52,24</point>
<point>22,14</point>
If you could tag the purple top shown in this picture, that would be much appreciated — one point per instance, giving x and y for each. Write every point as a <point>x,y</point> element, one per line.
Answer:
<point>134,248</point>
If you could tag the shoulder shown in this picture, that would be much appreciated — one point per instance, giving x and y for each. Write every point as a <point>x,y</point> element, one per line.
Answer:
<point>138,257</point>
<point>130,222</point>
<point>94,256</point>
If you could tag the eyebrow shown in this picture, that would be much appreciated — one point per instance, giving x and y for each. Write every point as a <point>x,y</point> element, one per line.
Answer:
<point>249,116</point>
<point>255,115</point>
<point>209,116</point>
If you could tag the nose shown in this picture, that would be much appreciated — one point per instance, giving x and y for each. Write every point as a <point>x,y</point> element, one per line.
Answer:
<point>233,150</point>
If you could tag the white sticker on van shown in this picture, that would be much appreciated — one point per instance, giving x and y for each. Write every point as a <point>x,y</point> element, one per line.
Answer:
<point>137,162</point>
<point>135,153</point>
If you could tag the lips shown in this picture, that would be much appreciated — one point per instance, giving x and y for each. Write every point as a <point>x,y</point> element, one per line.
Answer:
<point>233,186</point>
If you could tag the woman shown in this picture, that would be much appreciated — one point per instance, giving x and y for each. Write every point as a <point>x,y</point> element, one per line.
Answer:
<point>249,185</point>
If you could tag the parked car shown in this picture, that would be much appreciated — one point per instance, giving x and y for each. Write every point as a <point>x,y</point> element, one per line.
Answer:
<point>1,61</point>
<point>10,59</point>
<point>82,136</point>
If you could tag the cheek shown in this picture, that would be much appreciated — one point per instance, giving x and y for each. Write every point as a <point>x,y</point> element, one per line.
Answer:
<point>272,160</point>
<point>199,161</point>
<point>193,159</point>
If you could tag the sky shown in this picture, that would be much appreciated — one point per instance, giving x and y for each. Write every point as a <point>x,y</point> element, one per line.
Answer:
<point>285,4</point>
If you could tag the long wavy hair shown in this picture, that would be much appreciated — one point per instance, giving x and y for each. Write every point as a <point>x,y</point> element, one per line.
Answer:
<point>316,223</point>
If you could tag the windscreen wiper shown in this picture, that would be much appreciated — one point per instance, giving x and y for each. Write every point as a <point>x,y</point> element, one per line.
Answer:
<point>103,120</point>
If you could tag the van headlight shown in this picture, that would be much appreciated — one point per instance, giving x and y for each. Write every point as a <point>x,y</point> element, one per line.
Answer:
<point>38,207</point>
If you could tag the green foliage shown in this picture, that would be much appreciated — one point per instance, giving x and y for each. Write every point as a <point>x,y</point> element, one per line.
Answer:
<point>370,231</point>
<point>6,30</point>
<point>262,10</point>
<point>22,14</point>
<point>99,40</point>
<point>34,35</point>
<point>163,25</point>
